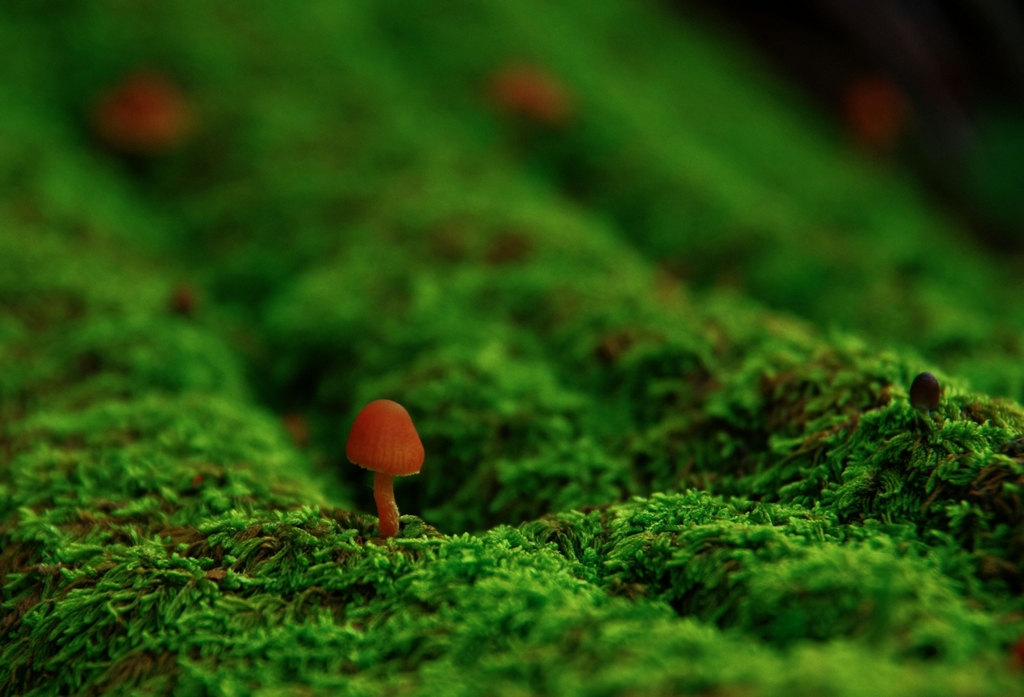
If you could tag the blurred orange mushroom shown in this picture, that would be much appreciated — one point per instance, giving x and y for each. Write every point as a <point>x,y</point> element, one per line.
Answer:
<point>182,301</point>
<point>1017,654</point>
<point>145,114</point>
<point>876,112</point>
<point>383,439</point>
<point>531,93</point>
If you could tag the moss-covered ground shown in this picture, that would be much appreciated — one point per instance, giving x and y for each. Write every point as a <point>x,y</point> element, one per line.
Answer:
<point>658,356</point>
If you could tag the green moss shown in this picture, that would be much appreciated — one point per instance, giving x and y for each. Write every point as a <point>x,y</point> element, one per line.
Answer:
<point>640,478</point>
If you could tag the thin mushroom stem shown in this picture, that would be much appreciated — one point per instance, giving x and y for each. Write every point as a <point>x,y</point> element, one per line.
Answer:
<point>387,509</point>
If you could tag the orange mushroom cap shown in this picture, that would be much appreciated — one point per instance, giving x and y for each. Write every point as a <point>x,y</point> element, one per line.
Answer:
<point>383,439</point>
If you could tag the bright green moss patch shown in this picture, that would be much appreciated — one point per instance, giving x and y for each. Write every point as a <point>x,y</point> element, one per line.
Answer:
<point>303,597</point>
<point>783,574</point>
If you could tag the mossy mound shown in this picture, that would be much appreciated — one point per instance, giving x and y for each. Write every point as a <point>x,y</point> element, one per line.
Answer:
<point>658,355</point>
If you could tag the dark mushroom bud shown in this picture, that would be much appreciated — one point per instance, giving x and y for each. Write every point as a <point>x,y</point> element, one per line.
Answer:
<point>925,392</point>
<point>1017,654</point>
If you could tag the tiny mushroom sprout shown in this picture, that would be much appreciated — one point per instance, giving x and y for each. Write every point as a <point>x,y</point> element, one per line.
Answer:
<point>925,392</point>
<point>383,439</point>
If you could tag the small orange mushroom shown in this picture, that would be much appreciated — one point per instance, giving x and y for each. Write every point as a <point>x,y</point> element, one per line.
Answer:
<point>384,439</point>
